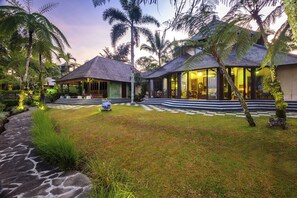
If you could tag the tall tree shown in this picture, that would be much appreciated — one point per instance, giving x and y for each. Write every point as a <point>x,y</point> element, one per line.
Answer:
<point>120,53</point>
<point>67,57</point>
<point>18,17</point>
<point>43,50</point>
<point>130,19</point>
<point>158,45</point>
<point>250,10</point>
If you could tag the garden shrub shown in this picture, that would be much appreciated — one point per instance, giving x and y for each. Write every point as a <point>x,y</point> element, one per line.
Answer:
<point>57,149</point>
<point>10,102</point>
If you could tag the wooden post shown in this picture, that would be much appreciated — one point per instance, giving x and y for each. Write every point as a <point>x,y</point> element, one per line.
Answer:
<point>179,84</point>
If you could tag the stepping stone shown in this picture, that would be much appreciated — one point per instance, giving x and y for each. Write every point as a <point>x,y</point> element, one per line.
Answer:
<point>220,114</point>
<point>190,113</point>
<point>206,114</point>
<point>231,114</point>
<point>156,108</point>
<point>128,104</point>
<point>146,107</point>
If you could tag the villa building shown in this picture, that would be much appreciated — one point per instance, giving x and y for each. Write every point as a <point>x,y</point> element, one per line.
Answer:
<point>203,80</point>
<point>100,78</point>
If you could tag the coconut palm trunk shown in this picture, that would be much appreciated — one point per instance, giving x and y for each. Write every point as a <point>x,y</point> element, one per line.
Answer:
<point>244,105</point>
<point>41,68</point>
<point>274,85</point>
<point>132,64</point>
<point>29,54</point>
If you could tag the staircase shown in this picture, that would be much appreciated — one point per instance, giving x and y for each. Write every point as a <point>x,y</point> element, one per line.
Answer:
<point>219,105</point>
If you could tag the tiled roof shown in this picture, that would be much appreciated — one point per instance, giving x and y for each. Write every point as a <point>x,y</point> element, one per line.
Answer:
<point>101,68</point>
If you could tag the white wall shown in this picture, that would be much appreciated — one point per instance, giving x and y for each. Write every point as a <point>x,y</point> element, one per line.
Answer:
<point>288,78</point>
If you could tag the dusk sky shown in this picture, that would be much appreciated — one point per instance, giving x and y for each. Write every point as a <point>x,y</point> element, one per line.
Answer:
<point>88,34</point>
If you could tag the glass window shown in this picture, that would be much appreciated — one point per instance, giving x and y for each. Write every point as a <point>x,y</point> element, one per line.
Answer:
<point>184,85</point>
<point>198,84</point>
<point>248,83</point>
<point>261,93</point>
<point>165,87</point>
<point>174,85</point>
<point>237,75</point>
<point>212,84</point>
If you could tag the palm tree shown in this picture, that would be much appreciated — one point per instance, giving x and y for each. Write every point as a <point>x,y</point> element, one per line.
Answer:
<point>157,45</point>
<point>129,20</point>
<point>238,9</point>
<point>67,57</point>
<point>18,17</point>
<point>120,53</point>
<point>222,39</point>
<point>44,50</point>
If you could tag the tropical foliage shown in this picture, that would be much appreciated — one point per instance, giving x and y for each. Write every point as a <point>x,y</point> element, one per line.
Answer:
<point>147,63</point>
<point>67,57</point>
<point>250,10</point>
<point>159,46</point>
<point>29,42</point>
<point>34,26</point>
<point>291,10</point>
<point>129,20</point>
<point>120,53</point>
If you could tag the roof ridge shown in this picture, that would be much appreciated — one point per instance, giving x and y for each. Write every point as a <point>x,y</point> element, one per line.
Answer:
<point>114,60</point>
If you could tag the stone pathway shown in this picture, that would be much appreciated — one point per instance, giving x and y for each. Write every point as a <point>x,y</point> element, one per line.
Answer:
<point>23,173</point>
<point>183,111</point>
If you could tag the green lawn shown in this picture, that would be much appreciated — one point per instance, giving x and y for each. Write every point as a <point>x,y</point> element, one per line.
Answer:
<point>178,155</point>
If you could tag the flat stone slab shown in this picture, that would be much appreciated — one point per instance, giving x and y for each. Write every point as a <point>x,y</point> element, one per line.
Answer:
<point>23,173</point>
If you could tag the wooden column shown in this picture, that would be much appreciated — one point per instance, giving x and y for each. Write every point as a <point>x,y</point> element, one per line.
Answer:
<point>220,86</point>
<point>151,87</point>
<point>179,84</point>
<point>253,84</point>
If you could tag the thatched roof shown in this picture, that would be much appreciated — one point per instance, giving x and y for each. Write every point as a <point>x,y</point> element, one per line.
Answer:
<point>253,58</point>
<point>100,68</point>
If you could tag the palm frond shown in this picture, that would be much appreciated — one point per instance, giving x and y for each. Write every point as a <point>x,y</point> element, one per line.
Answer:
<point>28,5</point>
<point>146,19</point>
<point>271,17</point>
<point>113,15</point>
<point>147,48</point>
<point>47,7</point>
<point>117,32</point>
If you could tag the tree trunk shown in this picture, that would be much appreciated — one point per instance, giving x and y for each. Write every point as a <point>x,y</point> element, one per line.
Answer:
<point>274,86</point>
<point>42,95</point>
<point>159,57</point>
<point>132,64</point>
<point>248,116</point>
<point>29,53</point>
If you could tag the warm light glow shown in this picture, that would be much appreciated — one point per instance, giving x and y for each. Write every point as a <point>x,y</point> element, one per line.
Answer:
<point>21,101</point>
<point>199,74</point>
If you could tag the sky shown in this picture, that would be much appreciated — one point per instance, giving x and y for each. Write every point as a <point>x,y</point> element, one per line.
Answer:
<point>88,33</point>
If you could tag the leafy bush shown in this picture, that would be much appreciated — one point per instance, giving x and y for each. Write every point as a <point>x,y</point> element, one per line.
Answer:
<point>108,180</point>
<point>10,102</point>
<point>57,149</point>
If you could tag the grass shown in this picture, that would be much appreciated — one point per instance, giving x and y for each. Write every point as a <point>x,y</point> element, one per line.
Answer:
<point>178,155</point>
<point>56,148</point>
